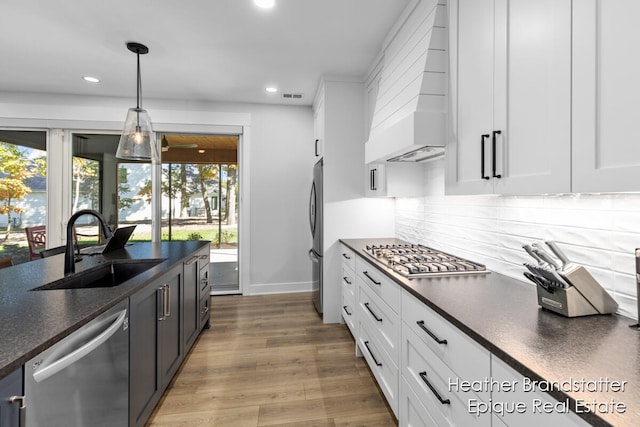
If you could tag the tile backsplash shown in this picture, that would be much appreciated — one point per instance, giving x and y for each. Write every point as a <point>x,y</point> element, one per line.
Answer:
<point>600,231</point>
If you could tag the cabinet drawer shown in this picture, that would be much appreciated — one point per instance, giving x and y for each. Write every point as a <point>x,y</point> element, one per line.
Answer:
<point>349,309</point>
<point>204,280</point>
<point>500,371</point>
<point>349,280</point>
<point>348,257</point>
<point>412,412</point>
<point>468,359</point>
<point>430,379</point>
<point>383,286</point>
<point>381,320</point>
<point>385,371</point>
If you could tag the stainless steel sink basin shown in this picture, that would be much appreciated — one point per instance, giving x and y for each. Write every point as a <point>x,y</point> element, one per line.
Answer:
<point>104,275</point>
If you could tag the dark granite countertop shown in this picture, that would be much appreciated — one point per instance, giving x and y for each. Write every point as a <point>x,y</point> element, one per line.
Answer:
<point>32,321</point>
<point>502,314</point>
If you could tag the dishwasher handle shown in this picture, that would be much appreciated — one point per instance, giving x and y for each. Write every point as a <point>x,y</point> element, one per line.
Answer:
<point>50,369</point>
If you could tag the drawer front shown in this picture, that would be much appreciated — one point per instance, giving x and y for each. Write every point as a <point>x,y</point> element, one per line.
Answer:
<point>385,371</point>
<point>349,280</point>
<point>348,257</point>
<point>500,371</point>
<point>204,280</point>
<point>430,379</point>
<point>384,287</point>
<point>381,320</point>
<point>412,412</point>
<point>349,309</point>
<point>468,359</point>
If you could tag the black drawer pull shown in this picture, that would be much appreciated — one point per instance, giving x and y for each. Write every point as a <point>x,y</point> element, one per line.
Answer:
<point>345,310</point>
<point>423,375</point>
<point>346,280</point>
<point>482,175</point>
<point>366,344</point>
<point>346,256</point>
<point>431,334</point>
<point>495,132</point>
<point>371,278</point>
<point>366,304</point>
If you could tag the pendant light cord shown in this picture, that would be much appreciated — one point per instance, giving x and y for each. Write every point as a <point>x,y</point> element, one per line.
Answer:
<point>139,92</point>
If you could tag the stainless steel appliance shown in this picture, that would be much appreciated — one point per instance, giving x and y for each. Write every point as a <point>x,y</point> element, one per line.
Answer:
<point>421,261</point>
<point>315,222</point>
<point>83,380</point>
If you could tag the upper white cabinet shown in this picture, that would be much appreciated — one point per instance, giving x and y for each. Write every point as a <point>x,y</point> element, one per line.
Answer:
<point>510,97</point>
<point>606,89</point>
<point>318,124</point>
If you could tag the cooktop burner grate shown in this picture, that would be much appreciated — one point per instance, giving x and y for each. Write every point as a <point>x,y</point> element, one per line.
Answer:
<point>421,261</point>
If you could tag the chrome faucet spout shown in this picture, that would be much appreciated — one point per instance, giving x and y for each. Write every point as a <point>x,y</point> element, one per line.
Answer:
<point>69,261</point>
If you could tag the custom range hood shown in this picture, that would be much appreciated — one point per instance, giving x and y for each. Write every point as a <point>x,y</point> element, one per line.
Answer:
<point>409,82</point>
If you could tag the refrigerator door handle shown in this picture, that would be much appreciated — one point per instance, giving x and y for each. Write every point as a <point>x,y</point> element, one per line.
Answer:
<point>313,257</point>
<point>312,209</point>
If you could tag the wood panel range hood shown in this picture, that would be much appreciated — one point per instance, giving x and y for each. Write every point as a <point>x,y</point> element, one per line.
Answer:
<point>410,85</point>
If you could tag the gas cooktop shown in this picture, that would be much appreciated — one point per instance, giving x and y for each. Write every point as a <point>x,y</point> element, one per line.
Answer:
<point>421,261</point>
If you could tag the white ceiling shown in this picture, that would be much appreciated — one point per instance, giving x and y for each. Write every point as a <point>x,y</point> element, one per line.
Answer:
<point>200,50</point>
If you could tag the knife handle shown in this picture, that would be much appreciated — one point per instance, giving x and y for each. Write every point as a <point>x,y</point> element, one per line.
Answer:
<point>557,252</point>
<point>545,256</point>
<point>529,250</point>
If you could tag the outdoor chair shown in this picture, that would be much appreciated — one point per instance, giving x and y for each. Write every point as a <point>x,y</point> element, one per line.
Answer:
<point>6,262</point>
<point>37,239</point>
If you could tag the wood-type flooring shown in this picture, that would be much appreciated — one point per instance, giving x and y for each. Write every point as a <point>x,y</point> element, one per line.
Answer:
<point>269,360</point>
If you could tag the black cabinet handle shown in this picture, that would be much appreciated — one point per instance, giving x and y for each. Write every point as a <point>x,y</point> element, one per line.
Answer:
<point>316,148</point>
<point>346,256</point>
<point>346,280</point>
<point>366,344</point>
<point>371,278</point>
<point>431,334</point>
<point>423,375</point>
<point>372,179</point>
<point>482,138</point>
<point>366,304</point>
<point>495,132</point>
<point>345,310</point>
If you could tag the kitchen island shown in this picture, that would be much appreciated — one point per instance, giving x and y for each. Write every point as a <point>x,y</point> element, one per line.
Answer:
<point>34,320</point>
<point>594,360</point>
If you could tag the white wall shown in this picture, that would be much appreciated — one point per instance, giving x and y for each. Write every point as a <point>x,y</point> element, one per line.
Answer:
<point>600,231</point>
<point>280,171</point>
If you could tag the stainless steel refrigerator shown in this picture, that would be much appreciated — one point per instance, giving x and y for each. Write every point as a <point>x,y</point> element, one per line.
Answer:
<point>315,221</point>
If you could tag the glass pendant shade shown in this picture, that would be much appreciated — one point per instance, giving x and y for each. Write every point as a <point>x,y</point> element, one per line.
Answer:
<point>136,141</point>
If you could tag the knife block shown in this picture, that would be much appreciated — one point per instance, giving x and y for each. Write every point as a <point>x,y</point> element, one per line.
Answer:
<point>565,301</point>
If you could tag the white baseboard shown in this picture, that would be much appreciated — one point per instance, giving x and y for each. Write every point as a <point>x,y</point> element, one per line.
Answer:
<point>277,288</point>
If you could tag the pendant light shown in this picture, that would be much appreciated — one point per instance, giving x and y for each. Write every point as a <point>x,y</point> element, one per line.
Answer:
<point>136,141</point>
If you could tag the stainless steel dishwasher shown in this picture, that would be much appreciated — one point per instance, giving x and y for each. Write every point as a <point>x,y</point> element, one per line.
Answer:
<point>83,380</point>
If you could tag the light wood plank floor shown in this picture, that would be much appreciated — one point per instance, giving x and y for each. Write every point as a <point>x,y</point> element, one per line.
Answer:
<point>269,361</point>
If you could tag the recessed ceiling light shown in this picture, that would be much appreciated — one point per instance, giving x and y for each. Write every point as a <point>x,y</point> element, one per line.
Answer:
<point>91,79</point>
<point>271,89</point>
<point>265,4</point>
<point>201,151</point>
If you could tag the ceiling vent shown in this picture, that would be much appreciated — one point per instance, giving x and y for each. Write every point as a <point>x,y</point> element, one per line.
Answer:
<point>292,95</point>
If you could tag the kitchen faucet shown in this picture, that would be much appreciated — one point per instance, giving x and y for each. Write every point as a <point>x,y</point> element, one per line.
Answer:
<point>69,259</point>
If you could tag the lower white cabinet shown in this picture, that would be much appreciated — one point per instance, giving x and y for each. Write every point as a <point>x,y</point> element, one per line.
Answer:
<point>380,363</point>
<point>431,380</point>
<point>381,320</point>
<point>348,293</point>
<point>538,408</point>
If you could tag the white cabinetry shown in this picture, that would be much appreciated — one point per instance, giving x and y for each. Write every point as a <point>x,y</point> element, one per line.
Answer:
<point>436,355</point>
<point>395,179</point>
<point>555,417</point>
<point>606,89</point>
<point>510,108</point>
<point>349,289</point>
<point>318,124</point>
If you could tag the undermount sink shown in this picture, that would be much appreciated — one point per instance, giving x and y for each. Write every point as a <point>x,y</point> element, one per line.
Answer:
<point>104,275</point>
